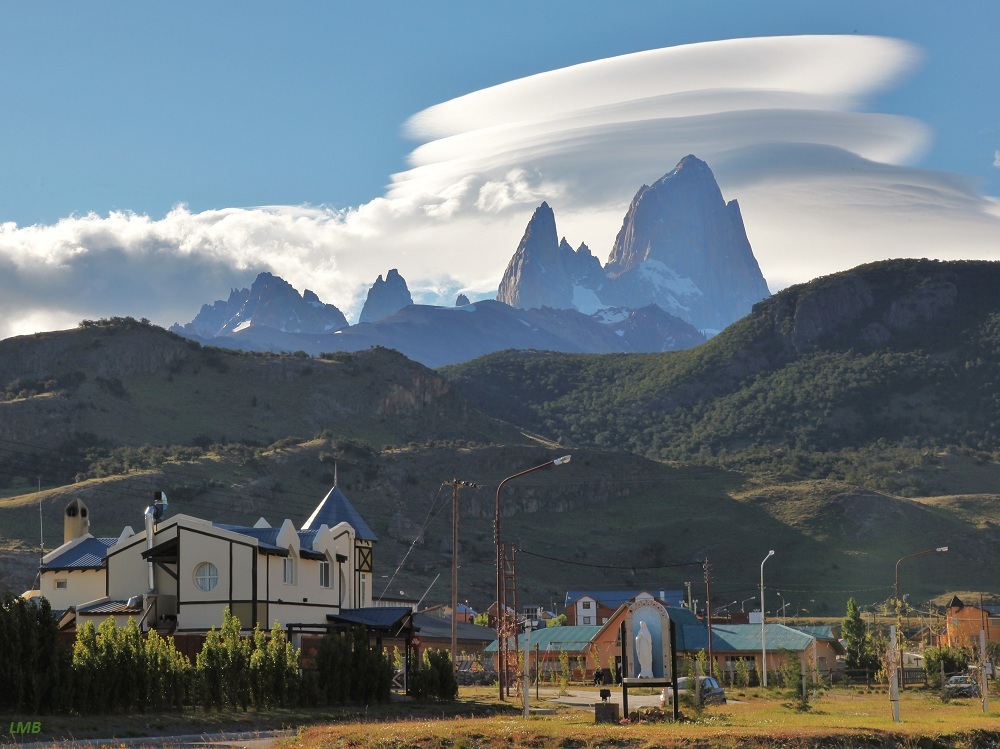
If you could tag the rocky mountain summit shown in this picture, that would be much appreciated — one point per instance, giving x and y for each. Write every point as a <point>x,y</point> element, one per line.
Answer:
<point>680,267</point>
<point>271,303</point>
<point>386,297</point>
<point>681,247</point>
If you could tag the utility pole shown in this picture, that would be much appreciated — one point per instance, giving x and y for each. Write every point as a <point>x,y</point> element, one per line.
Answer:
<point>455,485</point>
<point>41,530</point>
<point>708,617</point>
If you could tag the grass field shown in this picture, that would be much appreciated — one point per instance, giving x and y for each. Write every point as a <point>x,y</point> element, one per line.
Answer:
<point>837,719</point>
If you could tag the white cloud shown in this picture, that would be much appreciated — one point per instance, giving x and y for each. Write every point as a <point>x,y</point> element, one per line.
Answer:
<point>823,185</point>
<point>996,159</point>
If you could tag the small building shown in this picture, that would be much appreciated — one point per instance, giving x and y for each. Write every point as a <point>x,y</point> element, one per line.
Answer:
<point>591,647</point>
<point>964,622</point>
<point>589,607</point>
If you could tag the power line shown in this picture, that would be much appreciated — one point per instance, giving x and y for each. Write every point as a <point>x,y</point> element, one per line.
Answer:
<point>608,566</point>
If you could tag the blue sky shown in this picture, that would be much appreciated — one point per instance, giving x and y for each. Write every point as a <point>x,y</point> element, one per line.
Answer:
<point>140,108</point>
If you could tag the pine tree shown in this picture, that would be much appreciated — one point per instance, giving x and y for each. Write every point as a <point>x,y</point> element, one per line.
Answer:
<point>856,639</point>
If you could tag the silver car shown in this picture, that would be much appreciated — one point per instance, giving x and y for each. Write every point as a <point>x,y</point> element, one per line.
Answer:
<point>712,692</point>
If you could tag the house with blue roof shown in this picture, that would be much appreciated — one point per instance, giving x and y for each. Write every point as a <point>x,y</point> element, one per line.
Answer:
<point>180,572</point>
<point>592,647</point>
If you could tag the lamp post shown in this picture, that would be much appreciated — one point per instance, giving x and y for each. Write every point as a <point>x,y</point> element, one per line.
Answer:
<point>742,603</point>
<point>910,556</point>
<point>725,608</point>
<point>763,640</point>
<point>501,602</point>
<point>899,621</point>
<point>783,604</point>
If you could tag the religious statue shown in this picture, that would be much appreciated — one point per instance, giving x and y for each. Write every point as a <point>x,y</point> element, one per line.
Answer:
<point>644,651</point>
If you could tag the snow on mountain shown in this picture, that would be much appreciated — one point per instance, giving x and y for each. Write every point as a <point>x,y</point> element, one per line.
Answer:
<point>681,247</point>
<point>270,302</point>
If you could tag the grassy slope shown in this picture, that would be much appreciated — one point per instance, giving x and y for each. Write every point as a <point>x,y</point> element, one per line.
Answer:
<point>811,369</point>
<point>603,521</point>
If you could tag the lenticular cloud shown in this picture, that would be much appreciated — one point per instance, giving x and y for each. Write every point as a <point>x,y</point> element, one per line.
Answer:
<point>824,184</point>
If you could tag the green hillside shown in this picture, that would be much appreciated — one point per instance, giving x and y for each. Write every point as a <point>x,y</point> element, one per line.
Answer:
<point>826,379</point>
<point>845,423</point>
<point>605,520</point>
<point>68,398</point>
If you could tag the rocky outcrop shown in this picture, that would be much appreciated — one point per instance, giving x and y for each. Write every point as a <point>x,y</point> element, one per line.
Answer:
<point>271,302</point>
<point>461,300</point>
<point>386,297</point>
<point>681,247</point>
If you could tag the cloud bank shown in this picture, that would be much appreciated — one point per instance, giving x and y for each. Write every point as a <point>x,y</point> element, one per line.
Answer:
<point>823,185</point>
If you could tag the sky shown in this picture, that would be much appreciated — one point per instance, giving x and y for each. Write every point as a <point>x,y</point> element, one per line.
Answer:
<point>155,156</point>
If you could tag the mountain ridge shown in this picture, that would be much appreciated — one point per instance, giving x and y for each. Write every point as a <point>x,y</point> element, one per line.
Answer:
<point>681,247</point>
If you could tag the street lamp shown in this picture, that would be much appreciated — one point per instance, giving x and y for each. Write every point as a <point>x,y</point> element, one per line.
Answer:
<point>501,602</point>
<point>763,641</point>
<point>910,556</point>
<point>751,598</point>
<point>783,604</point>
<point>725,608</point>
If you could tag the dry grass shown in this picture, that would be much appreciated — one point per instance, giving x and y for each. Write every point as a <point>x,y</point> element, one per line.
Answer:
<point>839,720</point>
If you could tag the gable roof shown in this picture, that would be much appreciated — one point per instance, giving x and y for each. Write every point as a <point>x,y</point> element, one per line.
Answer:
<point>746,638</point>
<point>572,639</point>
<point>435,628</point>
<point>89,554</point>
<point>336,508</point>
<point>819,631</point>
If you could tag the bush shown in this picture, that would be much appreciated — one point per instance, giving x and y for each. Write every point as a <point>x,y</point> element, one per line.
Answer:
<point>954,660</point>
<point>34,668</point>
<point>349,670</point>
<point>436,679</point>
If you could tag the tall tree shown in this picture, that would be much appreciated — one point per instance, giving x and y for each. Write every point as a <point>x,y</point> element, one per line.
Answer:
<point>855,636</point>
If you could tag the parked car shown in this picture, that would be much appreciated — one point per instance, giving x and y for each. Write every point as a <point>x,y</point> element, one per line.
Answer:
<point>961,686</point>
<point>712,692</point>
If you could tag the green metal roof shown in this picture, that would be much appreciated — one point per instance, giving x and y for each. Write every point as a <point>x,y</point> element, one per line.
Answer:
<point>744,638</point>
<point>575,639</point>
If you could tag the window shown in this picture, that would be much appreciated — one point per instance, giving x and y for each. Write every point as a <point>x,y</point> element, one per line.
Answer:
<point>364,585</point>
<point>288,570</point>
<point>206,576</point>
<point>586,620</point>
<point>324,574</point>
<point>60,585</point>
<point>586,604</point>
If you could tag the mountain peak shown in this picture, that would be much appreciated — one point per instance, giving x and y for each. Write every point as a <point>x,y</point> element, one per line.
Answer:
<point>269,302</point>
<point>535,276</point>
<point>682,246</point>
<point>386,297</point>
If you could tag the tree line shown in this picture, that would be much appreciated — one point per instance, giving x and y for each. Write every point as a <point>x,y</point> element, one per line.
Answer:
<point>119,669</point>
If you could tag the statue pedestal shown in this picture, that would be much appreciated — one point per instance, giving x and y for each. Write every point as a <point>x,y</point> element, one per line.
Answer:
<point>606,712</point>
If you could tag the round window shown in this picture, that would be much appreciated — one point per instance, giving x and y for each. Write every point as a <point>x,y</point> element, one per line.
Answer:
<point>206,576</point>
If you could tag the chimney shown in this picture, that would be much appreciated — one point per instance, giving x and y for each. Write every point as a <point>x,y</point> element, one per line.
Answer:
<point>153,515</point>
<point>76,521</point>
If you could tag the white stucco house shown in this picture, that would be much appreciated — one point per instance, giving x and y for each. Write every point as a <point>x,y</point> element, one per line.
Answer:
<point>180,572</point>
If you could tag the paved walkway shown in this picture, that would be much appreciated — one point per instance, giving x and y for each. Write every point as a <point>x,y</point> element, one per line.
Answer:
<point>585,698</point>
